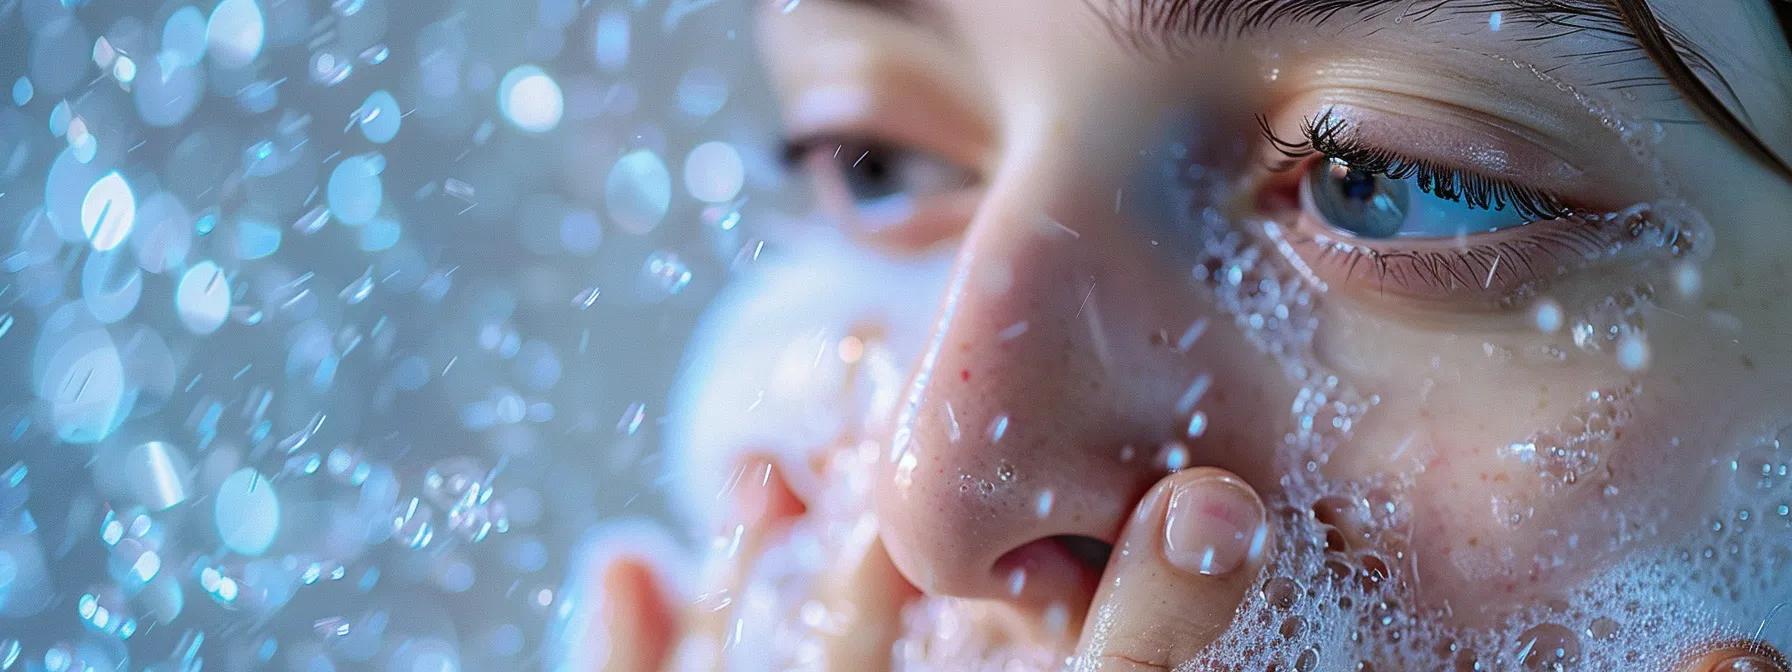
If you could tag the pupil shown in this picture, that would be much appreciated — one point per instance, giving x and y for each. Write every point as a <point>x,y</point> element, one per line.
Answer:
<point>869,174</point>
<point>1357,185</point>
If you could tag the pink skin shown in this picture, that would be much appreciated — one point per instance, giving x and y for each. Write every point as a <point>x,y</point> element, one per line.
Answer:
<point>1104,297</point>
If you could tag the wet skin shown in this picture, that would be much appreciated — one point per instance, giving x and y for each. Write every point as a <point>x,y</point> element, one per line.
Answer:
<point>1487,433</point>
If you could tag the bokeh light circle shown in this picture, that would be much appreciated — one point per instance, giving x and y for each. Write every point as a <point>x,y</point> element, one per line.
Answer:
<point>203,298</point>
<point>235,33</point>
<point>108,211</point>
<point>638,191</point>
<point>713,172</point>
<point>530,99</point>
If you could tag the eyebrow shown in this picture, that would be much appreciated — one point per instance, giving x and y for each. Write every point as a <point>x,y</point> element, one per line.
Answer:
<point>1146,24</point>
<point>1160,26</point>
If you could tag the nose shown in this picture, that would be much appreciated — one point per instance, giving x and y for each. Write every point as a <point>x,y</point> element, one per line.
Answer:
<point>1072,366</point>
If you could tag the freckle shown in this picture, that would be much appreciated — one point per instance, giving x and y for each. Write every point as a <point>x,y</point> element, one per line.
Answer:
<point>1500,478</point>
<point>964,375</point>
<point>1474,541</point>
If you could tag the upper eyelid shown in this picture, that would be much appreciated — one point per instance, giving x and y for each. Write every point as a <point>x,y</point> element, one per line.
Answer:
<point>1331,138</point>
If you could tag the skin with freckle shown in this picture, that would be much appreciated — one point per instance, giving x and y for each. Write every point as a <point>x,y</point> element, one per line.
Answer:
<point>1445,476</point>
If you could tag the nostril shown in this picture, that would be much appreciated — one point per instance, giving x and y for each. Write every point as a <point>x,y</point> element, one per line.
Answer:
<point>1091,552</point>
<point>1062,569</point>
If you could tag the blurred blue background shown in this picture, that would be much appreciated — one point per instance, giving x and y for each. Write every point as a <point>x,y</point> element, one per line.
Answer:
<point>329,327</point>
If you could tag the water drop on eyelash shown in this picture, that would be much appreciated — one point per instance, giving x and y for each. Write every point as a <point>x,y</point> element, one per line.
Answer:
<point>1548,316</point>
<point>1688,280</point>
<point>1633,351</point>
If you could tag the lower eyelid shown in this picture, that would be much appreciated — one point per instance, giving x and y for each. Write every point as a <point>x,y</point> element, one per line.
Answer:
<point>1483,270</point>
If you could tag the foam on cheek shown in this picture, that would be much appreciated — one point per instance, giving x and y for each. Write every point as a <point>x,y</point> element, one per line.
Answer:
<point>779,366</point>
<point>1340,591</point>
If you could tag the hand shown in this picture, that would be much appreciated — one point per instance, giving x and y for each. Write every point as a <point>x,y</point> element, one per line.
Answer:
<point>1183,563</point>
<point>1193,547</point>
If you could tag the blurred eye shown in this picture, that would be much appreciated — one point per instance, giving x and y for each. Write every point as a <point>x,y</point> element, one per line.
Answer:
<point>876,186</point>
<point>1363,204</point>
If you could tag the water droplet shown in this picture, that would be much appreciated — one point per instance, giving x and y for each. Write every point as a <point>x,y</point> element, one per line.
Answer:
<point>1633,351</point>
<point>1281,592</point>
<point>1548,646</point>
<point>1197,425</point>
<point>1547,315</point>
<point>1602,628</point>
<point>998,428</point>
<point>1175,456</point>
<point>1307,661</point>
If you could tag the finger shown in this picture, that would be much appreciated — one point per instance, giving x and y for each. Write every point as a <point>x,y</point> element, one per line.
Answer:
<point>1739,657</point>
<point>641,623</point>
<point>758,508</point>
<point>863,597</point>
<point>1190,552</point>
<point>615,614</point>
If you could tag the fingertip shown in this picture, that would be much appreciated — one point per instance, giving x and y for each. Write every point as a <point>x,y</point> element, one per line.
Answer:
<point>1215,523</point>
<point>639,618</point>
<point>1183,565</point>
<point>614,611</point>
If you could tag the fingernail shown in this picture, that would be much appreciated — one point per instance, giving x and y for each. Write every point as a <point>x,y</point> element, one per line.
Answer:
<point>1214,526</point>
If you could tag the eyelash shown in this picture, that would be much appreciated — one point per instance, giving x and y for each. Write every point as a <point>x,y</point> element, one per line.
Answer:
<point>1501,271</point>
<point>1328,136</point>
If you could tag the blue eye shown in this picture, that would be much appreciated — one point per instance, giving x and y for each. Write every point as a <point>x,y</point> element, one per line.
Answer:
<point>1366,204</point>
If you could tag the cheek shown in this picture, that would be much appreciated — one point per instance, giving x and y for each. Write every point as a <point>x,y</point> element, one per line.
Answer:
<point>1520,479</point>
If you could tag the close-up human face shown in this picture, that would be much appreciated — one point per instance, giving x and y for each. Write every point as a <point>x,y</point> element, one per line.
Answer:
<point>1139,334</point>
